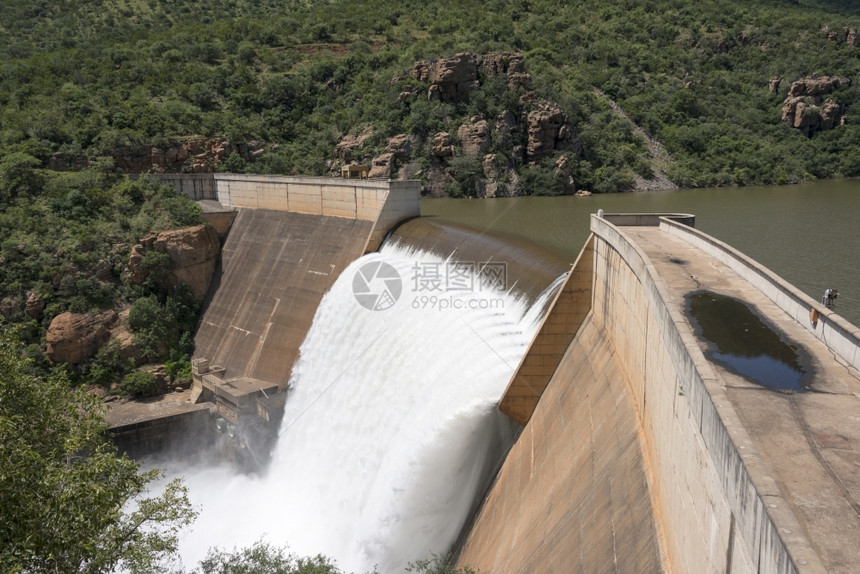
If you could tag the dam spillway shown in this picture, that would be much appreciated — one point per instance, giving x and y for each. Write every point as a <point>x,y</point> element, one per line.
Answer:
<point>639,454</point>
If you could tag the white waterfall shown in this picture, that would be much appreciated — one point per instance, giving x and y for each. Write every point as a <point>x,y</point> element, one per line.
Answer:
<point>391,427</point>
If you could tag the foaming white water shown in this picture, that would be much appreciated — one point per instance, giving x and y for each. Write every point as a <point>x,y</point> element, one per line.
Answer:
<point>390,428</point>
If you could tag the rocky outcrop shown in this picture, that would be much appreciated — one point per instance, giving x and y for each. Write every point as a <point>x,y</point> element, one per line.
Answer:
<point>525,133</point>
<point>34,305</point>
<point>74,338</point>
<point>453,79</point>
<point>190,156</point>
<point>474,136</point>
<point>193,253</point>
<point>382,166</point>
<point>808,109</point>
<point>502,178</point>
<point>548,130</point>
<point>441,146</point>
<point>846,35</point>
<point>350,143</point>
<point>817,86</point>
<point>400,146</point>
<point>774,83</point>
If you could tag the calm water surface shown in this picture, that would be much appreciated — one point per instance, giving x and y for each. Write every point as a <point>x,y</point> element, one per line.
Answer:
<point>809,234</point>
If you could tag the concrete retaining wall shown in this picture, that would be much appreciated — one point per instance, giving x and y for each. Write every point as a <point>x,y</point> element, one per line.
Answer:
<point>838,334</point>
<point>715,506</point>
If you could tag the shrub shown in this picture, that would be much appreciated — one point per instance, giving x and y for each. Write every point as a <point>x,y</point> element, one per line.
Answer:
<point>139,384</point>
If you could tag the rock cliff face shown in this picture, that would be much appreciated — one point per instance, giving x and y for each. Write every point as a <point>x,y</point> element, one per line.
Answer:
<point>807,107</point>
<point>525,134</point>
<point>193,253</point>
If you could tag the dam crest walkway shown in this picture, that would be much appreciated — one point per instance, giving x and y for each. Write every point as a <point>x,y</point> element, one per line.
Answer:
<point>740,477</point>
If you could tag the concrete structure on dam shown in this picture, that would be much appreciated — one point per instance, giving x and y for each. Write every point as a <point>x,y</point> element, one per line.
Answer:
<point>642,453</point>
<point>290,239</point>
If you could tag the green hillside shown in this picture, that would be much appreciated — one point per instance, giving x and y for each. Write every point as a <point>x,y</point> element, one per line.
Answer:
<point>83,79</point>
<point>541,98</point>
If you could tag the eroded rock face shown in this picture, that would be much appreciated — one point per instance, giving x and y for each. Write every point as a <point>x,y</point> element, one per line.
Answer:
<point>548,130</point>
<point>817,86</point>
<point>453,79</point>
<point>75,337</point>
<point>441,146</point>
<point>382,166</point>
<point>474,137</point>
<point>346,148</point>
<point>401,146</point>
<point>194,156</point>
<point>193,253</point>
<point>806,108</point>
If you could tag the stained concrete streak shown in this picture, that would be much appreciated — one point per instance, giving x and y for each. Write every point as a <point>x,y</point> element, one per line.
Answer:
<point>276,267</point>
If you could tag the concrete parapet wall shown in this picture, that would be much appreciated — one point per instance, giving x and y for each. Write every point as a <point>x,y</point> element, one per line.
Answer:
<point>196,186</point>
<point>719,506</point>
<point>384,202</point>
<point>838,334</point>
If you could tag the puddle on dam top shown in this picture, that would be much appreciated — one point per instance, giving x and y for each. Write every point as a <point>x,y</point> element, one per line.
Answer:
<point>741,341</point>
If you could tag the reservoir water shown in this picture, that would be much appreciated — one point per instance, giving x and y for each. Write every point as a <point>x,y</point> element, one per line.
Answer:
<point>809,234</point>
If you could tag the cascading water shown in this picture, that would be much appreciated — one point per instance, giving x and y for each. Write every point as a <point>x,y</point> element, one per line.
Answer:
<point>390,428</point>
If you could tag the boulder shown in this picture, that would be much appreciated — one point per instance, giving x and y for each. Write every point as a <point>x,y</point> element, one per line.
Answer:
<point>441,146</point>
<point>34,305</point>
<point>75,337</point>
<point>382,166</point>
<point>548,130</point>
<point>193,254</point>
<point>401,146</point>
<point>474,137</point>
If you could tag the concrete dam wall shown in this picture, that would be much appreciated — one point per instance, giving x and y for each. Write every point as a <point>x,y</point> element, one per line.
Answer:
<point>633,457</point>
<point>289,239</point>
<point>637,453</point>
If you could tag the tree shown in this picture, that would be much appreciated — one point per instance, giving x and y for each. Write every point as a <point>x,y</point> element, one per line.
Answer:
<point>68,502</point>
<point>263,558</point>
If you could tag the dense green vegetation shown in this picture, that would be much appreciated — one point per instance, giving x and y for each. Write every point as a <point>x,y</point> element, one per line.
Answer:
<point>67,503</point>
<point>85,78</point>
<point>66,239</point>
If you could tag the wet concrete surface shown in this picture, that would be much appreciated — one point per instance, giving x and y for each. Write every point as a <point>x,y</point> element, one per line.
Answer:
<point>808,442</point>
